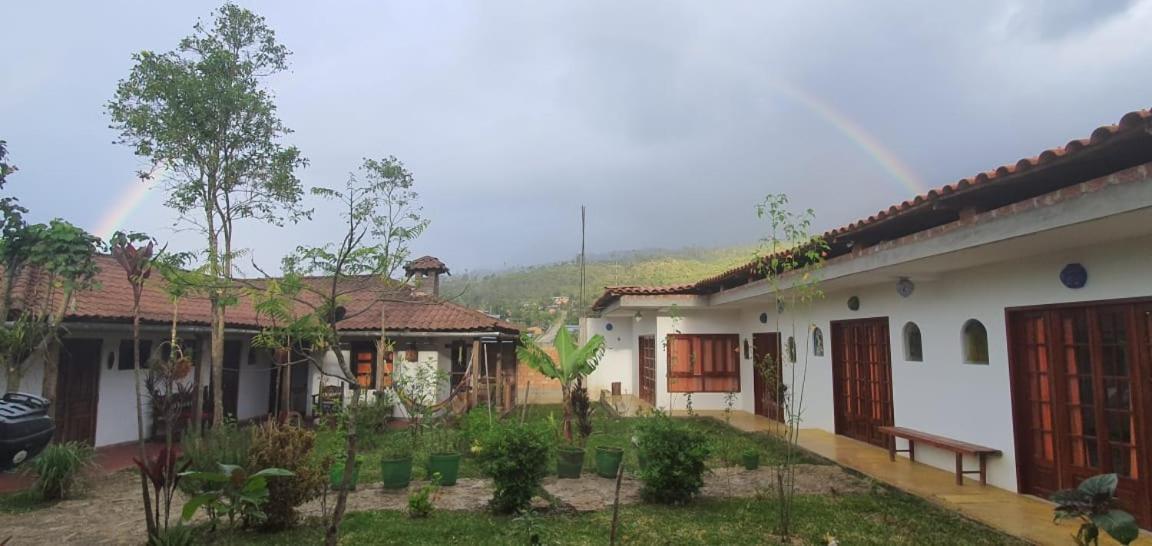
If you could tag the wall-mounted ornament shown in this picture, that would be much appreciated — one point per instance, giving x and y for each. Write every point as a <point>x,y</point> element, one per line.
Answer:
<point>904,287</point>
<point>609,327</point>
<point>763,318</point>
<point>747,349</point>
<point>780,306</point>
<point>854,303</point>
<point>1074,276</point>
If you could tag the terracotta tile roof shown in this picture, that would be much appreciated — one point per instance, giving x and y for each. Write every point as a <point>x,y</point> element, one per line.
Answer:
<point>425,263</point>
<point>364,298</point>
<point>611,293</point>
<point>1109,148</point>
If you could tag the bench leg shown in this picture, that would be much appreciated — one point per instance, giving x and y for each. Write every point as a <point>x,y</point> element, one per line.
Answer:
<point>983,471</point>
<point>959,469</point>
<point>892,449</point>
<point>911,450</point>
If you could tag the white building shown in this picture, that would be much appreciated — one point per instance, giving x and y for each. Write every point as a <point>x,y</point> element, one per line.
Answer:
<point>95,389</point>
<point>1012,309</point>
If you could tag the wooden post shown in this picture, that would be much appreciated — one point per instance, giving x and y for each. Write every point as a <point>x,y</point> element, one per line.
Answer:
<point>283,357</point>
<point>500,374</point>
<point>475,374</point>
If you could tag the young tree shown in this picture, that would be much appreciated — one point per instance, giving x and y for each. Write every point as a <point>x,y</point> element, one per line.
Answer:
<point>137,265</point>
<point>202,113</point>
<point>380,217</point>
<point>790,258</point>
<point>572,364</point>
<point>59,259</point>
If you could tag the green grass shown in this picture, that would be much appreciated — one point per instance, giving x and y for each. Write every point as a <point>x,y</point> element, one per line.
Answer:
<point>728,443</point>
<point>881,517</point>
<point>22,501</point>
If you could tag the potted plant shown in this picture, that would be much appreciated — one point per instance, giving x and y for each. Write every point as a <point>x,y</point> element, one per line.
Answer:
<point>608,461</point>
<point>751,458</point>
<point>569,366</point>
<point>336,471</point>
<point>444,455</point>
<point>396,463</point>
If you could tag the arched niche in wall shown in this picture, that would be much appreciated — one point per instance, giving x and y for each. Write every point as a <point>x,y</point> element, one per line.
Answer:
<point>975,340</point>
<point>913,343</point>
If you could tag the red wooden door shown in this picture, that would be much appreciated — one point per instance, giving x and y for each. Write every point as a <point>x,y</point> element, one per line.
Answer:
<point>647,365</point>
<point>78,390</point>
<point>767,382</point>
<point>1080,389</point>
<point>862,379</point>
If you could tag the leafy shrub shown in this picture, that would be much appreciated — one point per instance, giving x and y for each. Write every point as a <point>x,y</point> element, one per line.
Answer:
<point>59,469</point>
<point>515,456</point>
<point>289,448</point>
<point>581,410</point>
<point>674,456</point>
<point>1093,503</point>
<point>176,535</point>
<point>373,417</point>
<point>224,444</point>
<point>422,502</point>
<point>232,492</point>
<point>474,426</point>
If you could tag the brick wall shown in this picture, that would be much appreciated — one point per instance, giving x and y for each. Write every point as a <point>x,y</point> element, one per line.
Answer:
<point>543,390</point>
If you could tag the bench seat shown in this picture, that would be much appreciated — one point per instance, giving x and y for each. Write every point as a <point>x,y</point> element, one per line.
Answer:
<point>960,448</point>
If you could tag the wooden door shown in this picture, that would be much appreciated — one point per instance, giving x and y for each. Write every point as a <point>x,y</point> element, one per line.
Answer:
<point>232,353</point>
<point>78,390</point>
<point>767,381</point>
<point>647,363</point>
<point>862,379</point>
<point>1080,394</point>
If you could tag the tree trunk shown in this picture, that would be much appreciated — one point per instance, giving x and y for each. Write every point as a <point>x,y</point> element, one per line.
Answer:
<point>14,376</point>
<point>332,534</point>
<point>149,520</point>
<point>198,384</point>
<point>217,381</point>
<point>51,374</point>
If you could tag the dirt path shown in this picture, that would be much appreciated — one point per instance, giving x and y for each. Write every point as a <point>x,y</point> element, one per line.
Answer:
<point>110,512</point>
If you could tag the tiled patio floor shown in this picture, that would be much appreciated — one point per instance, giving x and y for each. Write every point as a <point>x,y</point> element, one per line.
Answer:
<point>1022,516</point>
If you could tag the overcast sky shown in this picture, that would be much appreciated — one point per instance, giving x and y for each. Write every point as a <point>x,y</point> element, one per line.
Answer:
<point>668,119</point>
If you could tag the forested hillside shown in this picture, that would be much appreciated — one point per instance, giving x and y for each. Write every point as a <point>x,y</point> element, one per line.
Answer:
<point>532,295</point>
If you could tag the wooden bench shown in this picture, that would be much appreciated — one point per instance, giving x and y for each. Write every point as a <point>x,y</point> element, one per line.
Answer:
<point>955,446</point>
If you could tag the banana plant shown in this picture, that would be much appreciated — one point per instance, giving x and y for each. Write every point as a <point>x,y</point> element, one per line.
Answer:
<point>570,366</point>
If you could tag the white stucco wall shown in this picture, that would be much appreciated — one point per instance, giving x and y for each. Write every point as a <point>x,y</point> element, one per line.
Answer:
<point>942,395</point>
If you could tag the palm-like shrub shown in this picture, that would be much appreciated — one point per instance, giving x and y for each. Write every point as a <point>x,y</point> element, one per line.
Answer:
<point>571,365</point>
<point>59,469</point>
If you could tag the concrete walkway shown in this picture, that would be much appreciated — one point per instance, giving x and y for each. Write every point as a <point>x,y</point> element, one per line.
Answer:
<point>1024,516</point>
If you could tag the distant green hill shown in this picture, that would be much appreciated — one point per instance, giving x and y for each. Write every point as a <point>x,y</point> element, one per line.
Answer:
<point>526,295</point>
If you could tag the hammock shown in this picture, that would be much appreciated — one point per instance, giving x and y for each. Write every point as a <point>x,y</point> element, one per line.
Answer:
<point>465,384</point>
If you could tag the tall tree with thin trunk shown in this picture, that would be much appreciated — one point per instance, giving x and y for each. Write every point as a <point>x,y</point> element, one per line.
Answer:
<point>137,265</point>
<point>202,114</point>
<point>380,217</point>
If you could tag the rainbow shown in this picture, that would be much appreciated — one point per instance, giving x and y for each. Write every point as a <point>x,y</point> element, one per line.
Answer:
<point>116,217</point>
<point>859,136</point>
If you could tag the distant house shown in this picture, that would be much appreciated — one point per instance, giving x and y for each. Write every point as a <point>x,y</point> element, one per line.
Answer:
<point>95,390</point>
<point>1012,309</point>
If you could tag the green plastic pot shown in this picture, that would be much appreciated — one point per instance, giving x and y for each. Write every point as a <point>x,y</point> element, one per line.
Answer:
<point>608,461</point>
<point>396,473</point>
<point>569,462</point>
<point>445,464</point>
<point>336,475</point>
<point>751,460</point>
